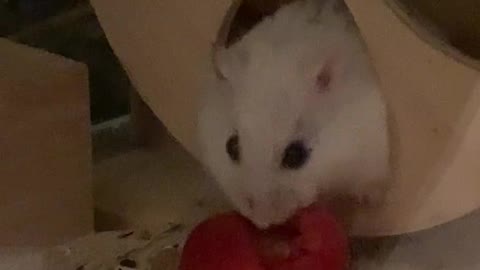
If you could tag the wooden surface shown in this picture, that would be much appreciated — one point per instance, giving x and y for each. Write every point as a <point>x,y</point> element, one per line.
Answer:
<point>431,95</point>
<point>45,170</point>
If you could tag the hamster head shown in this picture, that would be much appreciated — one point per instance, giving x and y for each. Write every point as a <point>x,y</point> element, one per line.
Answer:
<point>293,114</point>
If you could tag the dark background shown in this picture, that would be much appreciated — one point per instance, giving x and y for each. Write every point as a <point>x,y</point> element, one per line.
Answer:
<point>70,28</point>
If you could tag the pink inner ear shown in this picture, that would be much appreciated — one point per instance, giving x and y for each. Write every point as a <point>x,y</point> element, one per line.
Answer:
<point>324,78</point>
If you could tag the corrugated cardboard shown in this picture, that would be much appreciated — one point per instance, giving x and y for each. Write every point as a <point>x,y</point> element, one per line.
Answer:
<point>45,161</point>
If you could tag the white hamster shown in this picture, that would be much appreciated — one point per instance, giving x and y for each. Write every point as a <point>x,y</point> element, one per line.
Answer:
<point>296,112</point>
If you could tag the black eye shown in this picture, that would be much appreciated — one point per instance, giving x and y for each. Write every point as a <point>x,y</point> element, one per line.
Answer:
<point>233,148</point>
<point>295,155</point>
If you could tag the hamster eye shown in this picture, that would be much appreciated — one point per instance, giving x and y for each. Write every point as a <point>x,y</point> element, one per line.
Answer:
<point>233,148</point>
<point>295,156</point>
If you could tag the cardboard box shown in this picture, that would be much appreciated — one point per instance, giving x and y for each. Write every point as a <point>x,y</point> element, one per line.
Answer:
<point>45,152</point>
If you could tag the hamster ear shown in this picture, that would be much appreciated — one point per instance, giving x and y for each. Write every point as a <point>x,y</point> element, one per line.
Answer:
<point>324,77</point>
<point>227,62</point>
<point>327,74</point>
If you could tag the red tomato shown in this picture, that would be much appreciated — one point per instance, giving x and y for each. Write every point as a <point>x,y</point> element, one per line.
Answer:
<point>311,240</point>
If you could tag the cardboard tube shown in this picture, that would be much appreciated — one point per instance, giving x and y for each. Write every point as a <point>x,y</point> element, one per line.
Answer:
<point>430,89</point>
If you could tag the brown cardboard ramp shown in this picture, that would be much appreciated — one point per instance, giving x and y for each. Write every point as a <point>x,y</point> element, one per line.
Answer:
<point>431,91</point>
<point>45,155</point>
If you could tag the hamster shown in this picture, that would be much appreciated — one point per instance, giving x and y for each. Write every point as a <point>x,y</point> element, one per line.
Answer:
<point>295,113</point>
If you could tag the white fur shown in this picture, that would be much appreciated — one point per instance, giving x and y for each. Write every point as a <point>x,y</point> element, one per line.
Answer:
<point>269,96</point>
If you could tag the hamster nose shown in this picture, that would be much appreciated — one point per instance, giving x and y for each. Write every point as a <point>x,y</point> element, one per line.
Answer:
<point>264,216</point>
<point>255,212</point>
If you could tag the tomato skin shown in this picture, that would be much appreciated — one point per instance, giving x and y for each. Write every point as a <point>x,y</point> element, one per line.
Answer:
<point>224,242</point>
<point>310,240</point>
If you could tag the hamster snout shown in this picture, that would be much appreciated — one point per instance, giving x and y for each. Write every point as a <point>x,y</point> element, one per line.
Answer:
<point>269,209</point>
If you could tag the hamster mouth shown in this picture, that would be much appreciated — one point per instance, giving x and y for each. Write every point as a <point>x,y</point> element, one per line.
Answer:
<point>296,238</point>
<point>279,241</point>
<point>275,243</point>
